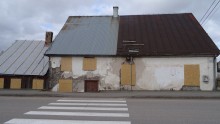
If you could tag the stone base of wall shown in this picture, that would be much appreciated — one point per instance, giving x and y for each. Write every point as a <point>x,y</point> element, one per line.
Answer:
<point>190,88</point>
<point>54,77</point>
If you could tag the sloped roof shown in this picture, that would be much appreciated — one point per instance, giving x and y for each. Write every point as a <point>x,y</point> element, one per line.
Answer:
<point>25,58</point>
<point>86,35</point>
<point>139,35</point>
<point>162,35</point>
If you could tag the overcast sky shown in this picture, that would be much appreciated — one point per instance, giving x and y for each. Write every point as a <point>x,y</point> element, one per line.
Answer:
<point>30,19</point>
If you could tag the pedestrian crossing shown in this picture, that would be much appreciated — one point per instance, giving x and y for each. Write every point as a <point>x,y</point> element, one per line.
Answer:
<point>83,108</point>
<point>88,104</point>
<point>78,111</point>
<point>48,121</point>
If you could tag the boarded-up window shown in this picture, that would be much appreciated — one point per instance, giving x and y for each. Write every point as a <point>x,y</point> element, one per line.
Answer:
<point>126,71</point>
<point>1,83</point>
<point>89,64</point>
<point>38,84</point>
<point>65,85</point>
<point>66,64</point>
<point>191,75</point>
<point>15,84</point>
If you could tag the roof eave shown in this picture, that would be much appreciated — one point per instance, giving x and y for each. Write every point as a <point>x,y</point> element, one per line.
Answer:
<point>140,55</point>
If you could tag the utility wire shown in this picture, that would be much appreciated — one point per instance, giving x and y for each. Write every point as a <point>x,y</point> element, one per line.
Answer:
<point>212,15</point>
<point>210,12</point>
<point>207,11</point>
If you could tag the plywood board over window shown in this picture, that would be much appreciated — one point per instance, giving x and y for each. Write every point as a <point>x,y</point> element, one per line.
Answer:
<point>15,84</point>
<point>65,85</point>
<point>89,64</point>
<point>191,75</point>
<point>38,84</point>
<point>1,83</point>
<point>66,64</point>
<point>128,74</point>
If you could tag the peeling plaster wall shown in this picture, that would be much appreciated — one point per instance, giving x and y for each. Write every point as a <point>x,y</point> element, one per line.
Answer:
<point>107,72</point>
<point>55,62</point>
<point>168,73</point>
<point>151,73</point>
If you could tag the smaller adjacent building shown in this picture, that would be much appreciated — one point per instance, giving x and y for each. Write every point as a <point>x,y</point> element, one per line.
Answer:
<point>23,64</point>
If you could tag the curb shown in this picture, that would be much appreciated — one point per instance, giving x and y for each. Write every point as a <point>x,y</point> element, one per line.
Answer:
<point>112,96</point>
<point>116,94</point>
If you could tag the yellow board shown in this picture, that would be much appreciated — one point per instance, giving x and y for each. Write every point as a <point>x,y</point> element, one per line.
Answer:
<point>191,75</point>
<point>66,64</point>
<point>38,84</point>
<point>15,84</point>
<point>126,71</point>
<point>1,83</point>
<point>89,64</point>
<point>65,85</point>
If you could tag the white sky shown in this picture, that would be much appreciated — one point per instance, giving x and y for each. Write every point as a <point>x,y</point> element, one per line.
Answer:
<point>30,19</point>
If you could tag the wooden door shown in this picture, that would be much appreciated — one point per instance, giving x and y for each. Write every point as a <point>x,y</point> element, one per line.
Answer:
<point>91,86</point>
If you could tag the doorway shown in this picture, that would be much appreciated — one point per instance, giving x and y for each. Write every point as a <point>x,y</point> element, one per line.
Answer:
<point>91,86</point>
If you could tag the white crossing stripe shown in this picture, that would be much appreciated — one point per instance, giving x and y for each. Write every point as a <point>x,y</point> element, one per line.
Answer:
<point>88,104</point>
<point>83,108</point>
<point>49,121</point>
<point>115,101</point>
<point>77,114</point>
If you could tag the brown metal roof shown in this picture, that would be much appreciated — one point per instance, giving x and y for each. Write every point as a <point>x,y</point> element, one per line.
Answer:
<point>162,35</point>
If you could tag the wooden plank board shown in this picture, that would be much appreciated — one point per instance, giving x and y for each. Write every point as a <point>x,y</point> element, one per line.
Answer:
<point>65,85</point>
<point>89,64</point>
<point>66,64</point>
<point>38,84</point>
<point>192,75</point>
<point>15,83</point>
<point>126,71</point>
<point>1,83</point>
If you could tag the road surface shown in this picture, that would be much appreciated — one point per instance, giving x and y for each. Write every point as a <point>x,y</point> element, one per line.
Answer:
<point>56,110</point>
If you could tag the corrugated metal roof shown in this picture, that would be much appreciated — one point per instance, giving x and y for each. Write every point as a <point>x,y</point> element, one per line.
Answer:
<point>86,35</point>
<point>24,58</point>
<point>154,35</point>
<point>162,35</point>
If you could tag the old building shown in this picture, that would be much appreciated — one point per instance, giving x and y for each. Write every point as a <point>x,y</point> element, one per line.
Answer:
<point>132,52</point>
<point>23,65</point>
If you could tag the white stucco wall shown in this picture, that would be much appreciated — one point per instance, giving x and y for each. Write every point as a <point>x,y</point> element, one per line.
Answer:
<point>55,62</point>
<point>151,73</point>
<point>168,73</point>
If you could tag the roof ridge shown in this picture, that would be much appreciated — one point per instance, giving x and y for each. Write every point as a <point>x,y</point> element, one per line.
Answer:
<point>129,15</point>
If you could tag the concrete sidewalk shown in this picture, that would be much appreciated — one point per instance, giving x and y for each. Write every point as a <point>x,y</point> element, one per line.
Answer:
<point>116,94</point>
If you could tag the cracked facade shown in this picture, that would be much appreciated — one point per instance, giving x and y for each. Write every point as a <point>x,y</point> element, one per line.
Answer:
<point>150,73</point>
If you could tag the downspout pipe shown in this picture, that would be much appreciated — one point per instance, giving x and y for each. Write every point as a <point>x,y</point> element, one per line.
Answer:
<point>131,62</point>
<point>214,73</point>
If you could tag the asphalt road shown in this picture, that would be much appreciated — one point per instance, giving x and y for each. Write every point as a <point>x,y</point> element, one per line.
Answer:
<point>122,111</point>
<point>174,111</point>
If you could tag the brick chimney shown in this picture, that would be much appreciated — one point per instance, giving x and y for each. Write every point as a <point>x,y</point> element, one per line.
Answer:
<point>48,38</point>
